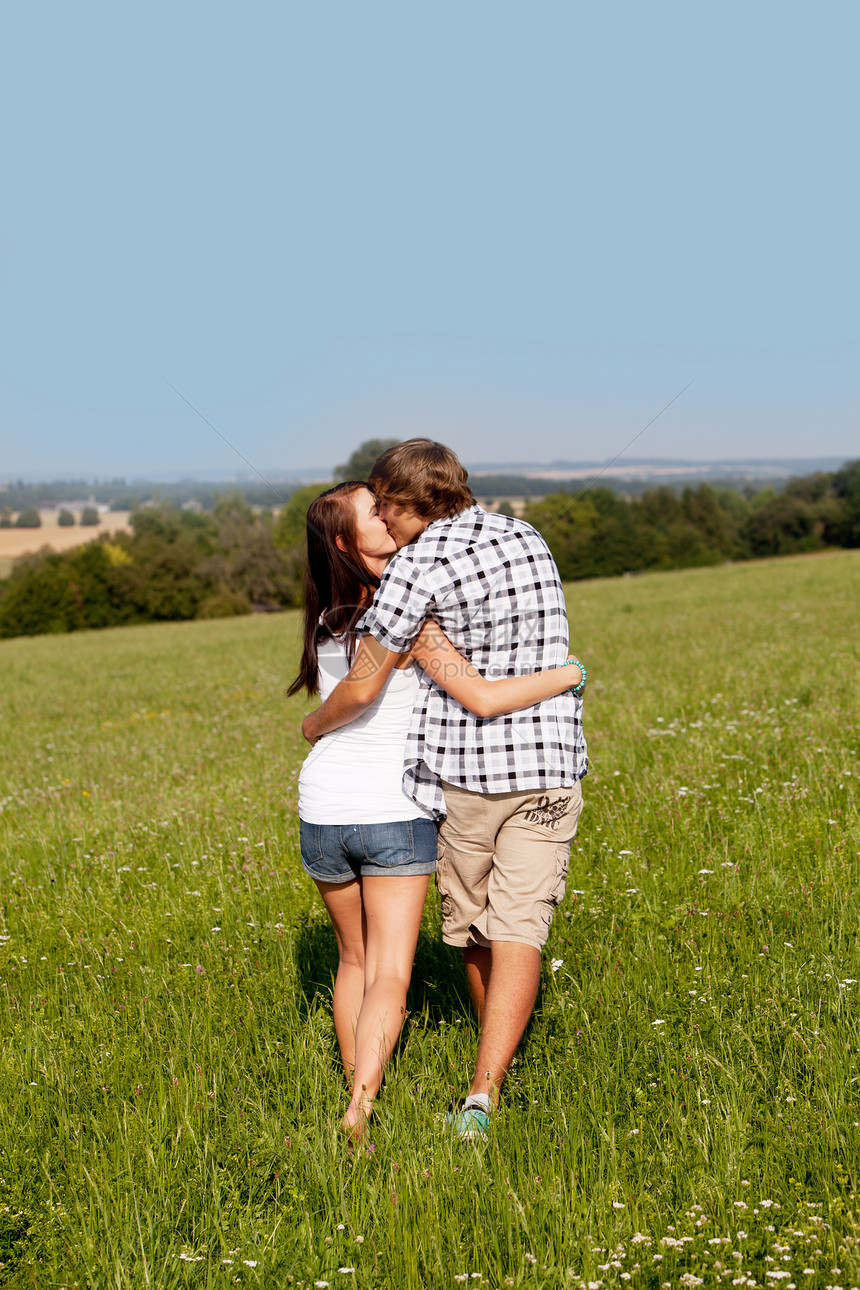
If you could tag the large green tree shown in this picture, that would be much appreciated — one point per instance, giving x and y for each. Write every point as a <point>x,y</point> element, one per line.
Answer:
<point>361,462</point>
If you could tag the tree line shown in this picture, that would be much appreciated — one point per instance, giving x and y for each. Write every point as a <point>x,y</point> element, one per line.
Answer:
<point>601,533</point>
<point>29,518</point>
<point>178,564</point>
<point>174,565</point>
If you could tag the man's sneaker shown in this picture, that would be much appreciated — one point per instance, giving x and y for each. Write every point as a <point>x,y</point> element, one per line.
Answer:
<point>470,1124</point>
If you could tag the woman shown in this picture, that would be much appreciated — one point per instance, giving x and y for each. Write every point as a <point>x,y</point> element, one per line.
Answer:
<point>369,848</point>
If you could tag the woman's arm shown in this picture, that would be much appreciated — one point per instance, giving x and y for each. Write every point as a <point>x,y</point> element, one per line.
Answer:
<point>444,665</point>
<point>354,694</point>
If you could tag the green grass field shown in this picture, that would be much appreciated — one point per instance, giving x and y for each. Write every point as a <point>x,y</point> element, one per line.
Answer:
<point>685,1108</point>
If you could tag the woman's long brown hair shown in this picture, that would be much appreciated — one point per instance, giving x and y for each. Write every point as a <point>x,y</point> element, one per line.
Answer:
<point>336,583</point>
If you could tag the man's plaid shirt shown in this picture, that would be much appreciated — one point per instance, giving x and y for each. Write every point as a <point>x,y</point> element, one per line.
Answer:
<point>492,585</point>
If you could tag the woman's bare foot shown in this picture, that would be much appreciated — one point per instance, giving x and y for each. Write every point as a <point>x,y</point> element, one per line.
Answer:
<point>356,1117</point>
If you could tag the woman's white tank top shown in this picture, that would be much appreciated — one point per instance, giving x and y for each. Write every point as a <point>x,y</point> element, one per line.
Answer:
<point>355,775</point>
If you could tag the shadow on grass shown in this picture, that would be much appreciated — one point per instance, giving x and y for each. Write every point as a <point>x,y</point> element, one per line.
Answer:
<point>438,991</point>
<point>438,988</point>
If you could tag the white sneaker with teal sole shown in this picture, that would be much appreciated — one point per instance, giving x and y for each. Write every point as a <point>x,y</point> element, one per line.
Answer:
<point>470,1124</point>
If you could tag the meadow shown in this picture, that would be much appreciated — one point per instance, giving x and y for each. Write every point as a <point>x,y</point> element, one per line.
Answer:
<point>685,1108</point>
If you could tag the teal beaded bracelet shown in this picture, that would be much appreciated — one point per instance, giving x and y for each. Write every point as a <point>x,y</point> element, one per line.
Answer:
<point>577,689</point>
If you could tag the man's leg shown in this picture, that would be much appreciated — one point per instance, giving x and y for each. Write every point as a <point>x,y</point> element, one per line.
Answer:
<point>511,991</point>
<point>477,961</point>
<point>465,854</point>
<point>527,880</point>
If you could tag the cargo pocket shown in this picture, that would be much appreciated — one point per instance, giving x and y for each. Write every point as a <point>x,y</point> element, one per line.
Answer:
<point>562,863</point>
<point>442,880</point>
<point>556,894</point>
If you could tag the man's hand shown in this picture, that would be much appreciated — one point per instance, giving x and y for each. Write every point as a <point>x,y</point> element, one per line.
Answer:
<point>354,694</point>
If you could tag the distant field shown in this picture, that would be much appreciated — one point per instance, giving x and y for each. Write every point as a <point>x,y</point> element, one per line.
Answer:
<point>517,504</point>
<point>17,542</point>
<point>686,1107</point>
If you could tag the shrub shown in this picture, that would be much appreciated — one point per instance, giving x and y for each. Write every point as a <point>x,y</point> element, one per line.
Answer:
<point>29,518</point>
<point>224,603</point>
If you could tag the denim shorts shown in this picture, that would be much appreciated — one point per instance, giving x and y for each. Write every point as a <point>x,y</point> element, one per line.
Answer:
<point>342,852</point>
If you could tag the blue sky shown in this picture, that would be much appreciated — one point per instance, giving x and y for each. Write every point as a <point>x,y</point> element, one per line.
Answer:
<point>519,229</point>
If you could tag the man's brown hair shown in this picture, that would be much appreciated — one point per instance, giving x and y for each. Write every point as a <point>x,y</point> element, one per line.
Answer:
<point>424,476</point>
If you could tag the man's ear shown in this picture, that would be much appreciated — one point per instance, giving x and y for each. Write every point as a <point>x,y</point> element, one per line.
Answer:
<point>340,544</point>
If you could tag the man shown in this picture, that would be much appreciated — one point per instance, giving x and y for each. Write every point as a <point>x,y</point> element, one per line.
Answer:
<point>511,784</point>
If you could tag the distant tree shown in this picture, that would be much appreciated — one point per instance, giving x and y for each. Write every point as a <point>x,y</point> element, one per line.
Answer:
<point>810,488</point>
<point>163,581</point>
<point>504,508</point>
<point>233,517</point>
<point>29,518</point>
<point>715,522</point>
<point>735,504</point>
<point>361,461</point>
<point>247,568</point>
<point>60,593</point>
<point>89,517</point>
<point>290,525</point>
<point>167,549</point>
<point>616,545</point>
<point>65,519</point>
<point>781,526</point>
<point>5,518</point>
<point>38,598</point>
<point>846,488</point>
<point>567,524</point>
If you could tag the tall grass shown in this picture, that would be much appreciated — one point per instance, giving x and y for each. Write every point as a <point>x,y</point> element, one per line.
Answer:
<point>685,1107</point>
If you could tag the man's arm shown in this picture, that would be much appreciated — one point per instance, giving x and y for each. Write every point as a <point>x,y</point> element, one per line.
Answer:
<point>362,684</point>
<point>455,674</point>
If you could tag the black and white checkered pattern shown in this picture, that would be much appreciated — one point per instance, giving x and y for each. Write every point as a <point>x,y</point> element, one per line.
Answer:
<point>492,585</point>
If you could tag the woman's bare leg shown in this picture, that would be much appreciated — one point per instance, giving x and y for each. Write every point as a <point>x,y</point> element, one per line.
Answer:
<point>392,916</point>
<point>344,904</point>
